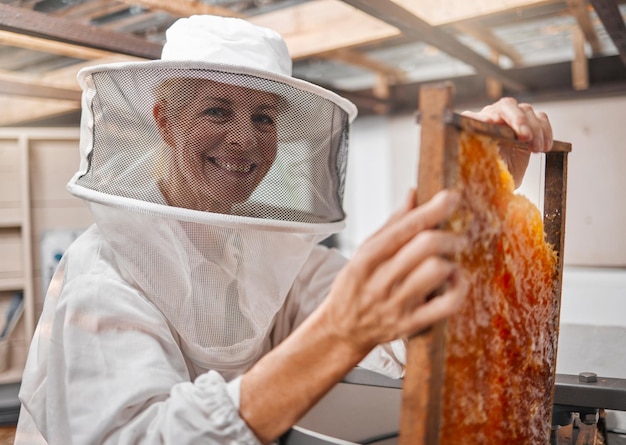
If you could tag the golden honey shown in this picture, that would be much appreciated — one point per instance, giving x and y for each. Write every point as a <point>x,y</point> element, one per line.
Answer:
<point>501,347</point>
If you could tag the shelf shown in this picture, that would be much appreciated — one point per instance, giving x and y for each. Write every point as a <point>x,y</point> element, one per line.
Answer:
<point>11,284</point>
<point>34,167</point>
<point>10,224</point>
<point>11,375</point>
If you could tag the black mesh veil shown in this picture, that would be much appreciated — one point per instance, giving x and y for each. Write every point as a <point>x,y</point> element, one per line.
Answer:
<point>216,141</point>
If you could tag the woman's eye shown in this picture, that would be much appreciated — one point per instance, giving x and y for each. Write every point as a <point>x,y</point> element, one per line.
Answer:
<point>216,112</point>
<point>263,119</point>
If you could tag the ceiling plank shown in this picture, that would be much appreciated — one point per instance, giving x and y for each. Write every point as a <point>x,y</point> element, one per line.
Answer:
<point>580,67</point>
<point>52,47</point>
<point>184,8</point>
<point>580,10</point>
<point>17,110</point>
<point>355,58</point>
<point>64,78</point>
<point>22,21</point>
<point>611,17</point>
<point>443,12</point>
<point>492,86</point>
<point>324,25</point>
<point>85,12</point>
<point>415,27</point>
<point>30,89</point>
<point>130,21</point>
<point>486,36</point>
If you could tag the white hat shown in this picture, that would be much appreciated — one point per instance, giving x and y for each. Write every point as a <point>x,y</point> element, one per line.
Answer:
<point>226,40</point>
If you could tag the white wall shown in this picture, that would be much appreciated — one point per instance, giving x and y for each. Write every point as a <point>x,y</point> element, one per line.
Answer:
<point>384,156</point>
<point>369,181</point>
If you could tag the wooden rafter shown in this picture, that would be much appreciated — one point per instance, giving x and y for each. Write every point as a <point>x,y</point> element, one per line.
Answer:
<point>356,58</point>
<point>486,36</point>
<point>493,87</point>
<point>30,89</point>
<point>36,24</point>
<point>84,12</point>
<point>580,10</point>
<point>320,26</point>
<point>17,110</point>
<point>417,28</point>
<point>444,12</point>
<point>51,46</point>
<point>183,8</point>
<point>611,17</point>
<point>580,67</point>
<point>129,21</point>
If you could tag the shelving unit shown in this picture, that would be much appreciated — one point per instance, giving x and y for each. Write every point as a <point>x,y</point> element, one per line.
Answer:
<point>35,166</point>
<point>16,267</point>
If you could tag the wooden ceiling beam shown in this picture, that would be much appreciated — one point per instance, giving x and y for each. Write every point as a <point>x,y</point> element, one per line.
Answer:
<point>130,21</point>
<point>445,12</point>
<point>184,8</point>
<point>580,66</point>
<point>611,17</point>
<point>580,10</point>
<point>356,58</point>
<point>85,12</point>
<point>320,26</point>
<point>50,46</point>
<point>486,36</point>
<point>414,27</point>
<point>35,24</point>
<point>31,89</point>
<point>18,110</point>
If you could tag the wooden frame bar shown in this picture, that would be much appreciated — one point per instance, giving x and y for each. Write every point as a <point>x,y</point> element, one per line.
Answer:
<point>440,127</point>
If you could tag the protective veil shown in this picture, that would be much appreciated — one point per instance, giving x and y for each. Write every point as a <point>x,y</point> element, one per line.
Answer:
<point>211,185</point>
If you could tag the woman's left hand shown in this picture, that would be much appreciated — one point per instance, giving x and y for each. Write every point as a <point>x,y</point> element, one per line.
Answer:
<point>529,125</point>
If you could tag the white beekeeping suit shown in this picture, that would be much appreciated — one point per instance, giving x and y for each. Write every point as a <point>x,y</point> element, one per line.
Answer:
<point>204,254</point>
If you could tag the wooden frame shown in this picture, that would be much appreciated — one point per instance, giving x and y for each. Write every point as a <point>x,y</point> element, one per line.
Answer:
<point>440,129</point>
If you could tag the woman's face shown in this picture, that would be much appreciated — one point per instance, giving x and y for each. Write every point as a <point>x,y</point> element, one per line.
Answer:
<point>223,142</point>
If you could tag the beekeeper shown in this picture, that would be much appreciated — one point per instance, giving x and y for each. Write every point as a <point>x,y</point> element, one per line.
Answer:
<point>200,307</point>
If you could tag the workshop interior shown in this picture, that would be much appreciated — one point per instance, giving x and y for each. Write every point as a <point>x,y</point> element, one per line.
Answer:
<point>565,57</point>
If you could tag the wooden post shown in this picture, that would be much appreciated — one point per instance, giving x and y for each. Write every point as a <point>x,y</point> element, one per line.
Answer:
<point>421,397</point>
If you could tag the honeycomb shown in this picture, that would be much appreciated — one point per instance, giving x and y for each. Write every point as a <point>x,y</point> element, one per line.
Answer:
<point>500,353</point>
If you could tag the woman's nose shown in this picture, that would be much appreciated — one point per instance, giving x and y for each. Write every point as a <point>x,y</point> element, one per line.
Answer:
<point>242,133</point>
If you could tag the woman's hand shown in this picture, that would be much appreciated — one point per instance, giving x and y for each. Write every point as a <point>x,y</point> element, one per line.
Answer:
<point>529,125</point>
<point>385,291</point>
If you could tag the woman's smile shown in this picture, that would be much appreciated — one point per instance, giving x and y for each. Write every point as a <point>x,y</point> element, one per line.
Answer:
<point>232,165</point>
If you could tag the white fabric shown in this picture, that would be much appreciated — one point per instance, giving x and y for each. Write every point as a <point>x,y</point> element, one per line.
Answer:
<point>86,379</point>
<point>229,41</point>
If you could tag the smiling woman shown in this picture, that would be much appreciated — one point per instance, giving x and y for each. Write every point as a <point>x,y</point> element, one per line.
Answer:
<point>201,306</point>
<point>222,141</point>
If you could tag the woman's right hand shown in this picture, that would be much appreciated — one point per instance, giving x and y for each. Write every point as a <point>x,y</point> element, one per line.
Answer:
<point>383,293</point>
